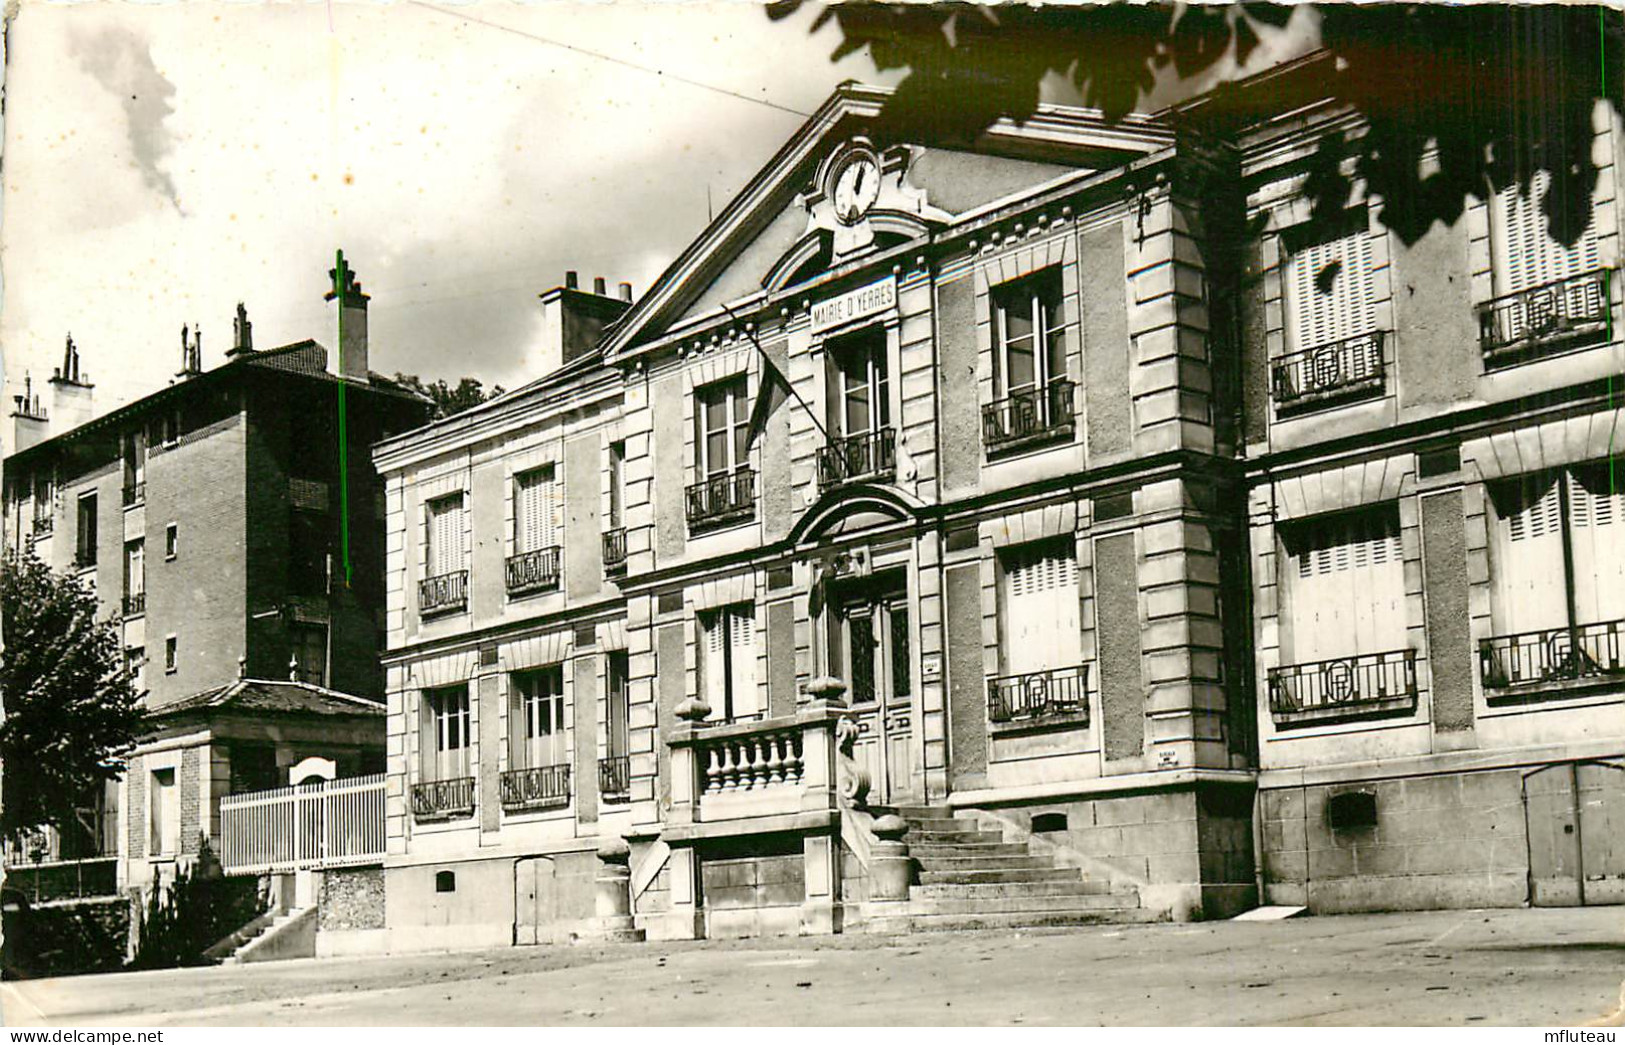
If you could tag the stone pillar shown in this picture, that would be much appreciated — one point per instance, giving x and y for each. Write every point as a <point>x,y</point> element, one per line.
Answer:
<point>686,921</point>
<point>821,909</point>
<point>818,744</point>
<point>890,869</point>
<point>613,900</point>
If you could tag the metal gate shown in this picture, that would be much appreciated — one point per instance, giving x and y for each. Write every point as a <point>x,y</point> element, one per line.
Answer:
<point>1575,815</point>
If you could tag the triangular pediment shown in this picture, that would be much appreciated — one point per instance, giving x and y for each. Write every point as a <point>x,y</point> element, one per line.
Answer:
<point>830,196</point>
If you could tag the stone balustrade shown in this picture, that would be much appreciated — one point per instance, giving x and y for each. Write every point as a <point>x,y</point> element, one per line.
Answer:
<point>728,770</point>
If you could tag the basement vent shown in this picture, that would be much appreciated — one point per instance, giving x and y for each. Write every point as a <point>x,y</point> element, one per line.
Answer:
<point>1441,460</point>
<point>445,881</point>
<point>1043,822</point>
<point>1352,809</point>
<point>1114,506</point>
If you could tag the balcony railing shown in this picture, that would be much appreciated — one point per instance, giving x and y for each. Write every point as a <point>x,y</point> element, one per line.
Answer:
<point>1584,651</point>
<point>1051,693</point>
<point>1033,415</point>
<point>136,604</point>
<point>1367,683</point>
<point>443,594</point>
<point>43,524</point>
<point>615,777</point>
<point>532,571</point>
<point>1348,369</point>
<point>722,499</point>
<point>134,494</point>
<point>443,799</point>
<point>854,458</point>
<point>333,823</point>
<point>1554,317</point>
<point>64,879</point>
<point>541,787</point>
<point>615,549</point>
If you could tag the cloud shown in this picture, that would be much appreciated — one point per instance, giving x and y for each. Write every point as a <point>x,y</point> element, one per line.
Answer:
<point>122,63</point>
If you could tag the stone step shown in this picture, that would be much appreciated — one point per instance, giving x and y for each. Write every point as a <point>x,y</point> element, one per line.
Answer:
<point>978,862</point>
<point>940,823</point>
<point>1002,874</point>
<point>1014,920</point>
<point>971,837</point>
<point>1000,890</point>
<point>1014,904</point>
<point>921,812</point>
<point>925,849</point>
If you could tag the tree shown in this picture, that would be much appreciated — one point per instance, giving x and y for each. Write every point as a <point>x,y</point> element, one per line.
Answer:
<point>72,712</point>
<point>469,392</point>
<point>1500,91</point>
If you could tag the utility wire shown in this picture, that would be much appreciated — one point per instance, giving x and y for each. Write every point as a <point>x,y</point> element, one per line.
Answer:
<point>610,58</point>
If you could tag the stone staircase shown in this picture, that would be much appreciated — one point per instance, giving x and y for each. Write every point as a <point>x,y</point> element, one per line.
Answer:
<point>272,936</point>
<point>972,878</point>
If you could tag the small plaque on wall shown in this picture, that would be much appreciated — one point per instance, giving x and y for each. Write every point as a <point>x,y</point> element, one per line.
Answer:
<point>931,667</point>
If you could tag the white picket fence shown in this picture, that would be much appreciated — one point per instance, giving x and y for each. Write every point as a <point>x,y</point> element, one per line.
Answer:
<point>335,823</point>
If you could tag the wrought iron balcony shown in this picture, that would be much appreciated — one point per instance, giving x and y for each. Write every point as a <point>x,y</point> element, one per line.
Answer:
<point>615,550</point>
<point>1343,370</point>
<point>541,787</point>
<point>532,571</point>
<point>1569,653</point>
<point>135,604</point>
<point>722,499</point>
<point>443,594</point>
<point>1554,317</point>
<point>134,494</point>
<point>443,799</point>
<point>1037,695</point>
<point>1366,683</point>
<point>854,458</point>
<point>1028,417</point>
<point>615,778</point>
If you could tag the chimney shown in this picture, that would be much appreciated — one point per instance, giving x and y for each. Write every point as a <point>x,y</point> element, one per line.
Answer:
<point>352,321</point>
<point>574,322</point>
<point>626,292</point>
<point>570,280</point>
<point>598,286</point>
<point>71,392</point>
<point>242,334</point>
<point>28,422</point>
<point>191,352</point>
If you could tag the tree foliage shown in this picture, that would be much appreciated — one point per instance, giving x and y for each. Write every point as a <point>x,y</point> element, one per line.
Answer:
<point>71,709</point>
<point>1499,92</point>
<point>449,400</point>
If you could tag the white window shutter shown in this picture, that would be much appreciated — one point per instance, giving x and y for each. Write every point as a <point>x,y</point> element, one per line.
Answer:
<point>713,664</point>
<point>1345,311</point>
<point>1530,565</point>
<point>446,536</point>
<point>1041,605</point>
<point>1348,591</point>
<point>742,637</point>
<point>1597,517</point>
<point>1529,257</point>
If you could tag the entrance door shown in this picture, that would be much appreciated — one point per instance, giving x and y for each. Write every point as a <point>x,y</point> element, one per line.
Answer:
<point>1575,813</point>
<point>535,901</point>
<point>871,640</point>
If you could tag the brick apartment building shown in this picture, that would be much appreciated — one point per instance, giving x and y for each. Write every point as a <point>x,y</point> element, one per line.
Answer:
<point>241,549</point>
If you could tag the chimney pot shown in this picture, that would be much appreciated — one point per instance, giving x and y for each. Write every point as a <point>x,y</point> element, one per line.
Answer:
<point>571,280</point>
<point>598,285</point>
<point>626,292</point>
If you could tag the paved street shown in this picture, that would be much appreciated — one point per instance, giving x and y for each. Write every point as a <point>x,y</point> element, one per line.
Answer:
<point>1536,967</point>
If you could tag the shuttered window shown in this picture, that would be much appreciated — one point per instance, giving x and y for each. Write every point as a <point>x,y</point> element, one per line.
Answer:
<point>728,661</point>
<point>135,568</point>
<point>1041,608</point>
<point>444,738</point>
<point>1582,507</point>
<point>536,507</point>
<point>1526,256</point>
<point>1346,586</point>
<point>536,718</point>
<point>445,535</point>
<point>1341,311</point>
<point>1597,503</point>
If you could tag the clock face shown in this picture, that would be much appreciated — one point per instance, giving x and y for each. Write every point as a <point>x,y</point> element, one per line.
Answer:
<point>856,187</point>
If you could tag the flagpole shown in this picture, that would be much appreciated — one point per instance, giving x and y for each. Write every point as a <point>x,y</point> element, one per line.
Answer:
<point>768,362</point>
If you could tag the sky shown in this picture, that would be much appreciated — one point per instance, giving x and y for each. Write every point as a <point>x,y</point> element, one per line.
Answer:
<point>163,162</point>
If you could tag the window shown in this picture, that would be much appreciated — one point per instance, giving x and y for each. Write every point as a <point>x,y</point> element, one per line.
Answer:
<point>727,661</point>
<point>1041,629</point>
<point>309,544</point>
<point>536,506</point>
<point>171,655</point>
<point>169,429</point>
<point>536,721</point>
<point>135,577</point>
<point>172,541</point>
<point>309,643</point>
<point>617,484</point>
<point>254,768</point>
<point>44,502</point>
<point>1328,283</point>
<point>1344,586</point>
<point>1526,256</point>
<point>135,662</point>
<point>135,467</point>
<point>445,744</point>
<point>859,390</point>
<point>869,645</point>
<point>164,813</point>
<point>722,421</point>
<point>618,727</point>
<point>85,549</point>
<point>444,535</point>
<point>1030,334</point>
